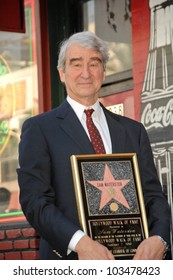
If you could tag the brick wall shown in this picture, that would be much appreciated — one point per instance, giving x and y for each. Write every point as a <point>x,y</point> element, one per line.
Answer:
<point>19,244</point>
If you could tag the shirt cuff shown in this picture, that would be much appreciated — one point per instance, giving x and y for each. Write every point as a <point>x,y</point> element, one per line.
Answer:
<point>75,239</point>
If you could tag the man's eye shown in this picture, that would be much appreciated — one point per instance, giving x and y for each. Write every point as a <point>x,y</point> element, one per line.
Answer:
<point>77,65</point>
<point>94,64</point>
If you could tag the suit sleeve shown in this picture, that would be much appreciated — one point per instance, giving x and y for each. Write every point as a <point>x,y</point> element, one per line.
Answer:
<point>37,196</point>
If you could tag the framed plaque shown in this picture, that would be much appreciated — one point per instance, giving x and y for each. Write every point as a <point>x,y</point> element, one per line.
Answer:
<point>110,201</point>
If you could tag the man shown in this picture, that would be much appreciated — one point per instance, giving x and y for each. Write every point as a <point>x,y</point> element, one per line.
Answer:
<point>47,142</point>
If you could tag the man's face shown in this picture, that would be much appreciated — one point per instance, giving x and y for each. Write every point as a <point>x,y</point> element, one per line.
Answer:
<point>83,74</point>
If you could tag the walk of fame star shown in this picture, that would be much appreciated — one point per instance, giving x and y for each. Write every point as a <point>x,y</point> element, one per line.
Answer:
<point>111,189</point>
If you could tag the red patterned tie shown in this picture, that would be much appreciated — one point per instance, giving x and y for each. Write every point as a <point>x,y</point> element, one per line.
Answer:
<point>94,133</point>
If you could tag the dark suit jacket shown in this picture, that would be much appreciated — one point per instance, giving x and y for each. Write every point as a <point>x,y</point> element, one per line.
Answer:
<point>45,177</point>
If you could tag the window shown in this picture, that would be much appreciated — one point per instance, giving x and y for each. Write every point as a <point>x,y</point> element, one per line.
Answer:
<point>111,21</point>
<point>18,101</point>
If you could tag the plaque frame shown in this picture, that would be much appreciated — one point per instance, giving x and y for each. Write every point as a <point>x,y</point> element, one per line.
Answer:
<point>110,201</point>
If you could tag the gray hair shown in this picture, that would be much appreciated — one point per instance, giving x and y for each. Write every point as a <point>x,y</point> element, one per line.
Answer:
<point>85,39</point>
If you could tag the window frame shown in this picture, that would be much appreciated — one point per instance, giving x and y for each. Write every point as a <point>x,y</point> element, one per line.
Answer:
<point>118,82</point>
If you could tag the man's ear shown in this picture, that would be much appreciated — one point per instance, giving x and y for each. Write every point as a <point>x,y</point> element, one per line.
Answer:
<point>61,74</point>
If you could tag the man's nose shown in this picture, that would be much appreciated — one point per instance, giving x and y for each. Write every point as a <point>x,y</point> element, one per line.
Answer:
<point>85,72</point>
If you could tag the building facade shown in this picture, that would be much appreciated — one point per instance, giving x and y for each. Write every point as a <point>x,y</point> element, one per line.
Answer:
<point>139,84</point>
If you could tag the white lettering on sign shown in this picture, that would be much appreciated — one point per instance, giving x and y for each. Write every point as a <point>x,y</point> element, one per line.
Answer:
<point>158,117</point>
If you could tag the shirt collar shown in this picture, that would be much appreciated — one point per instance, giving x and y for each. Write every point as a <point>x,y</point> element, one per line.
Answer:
<point>79,108</point>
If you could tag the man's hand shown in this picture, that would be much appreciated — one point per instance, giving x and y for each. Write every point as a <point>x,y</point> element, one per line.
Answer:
<point>88,249</point>
<point>151,248</point>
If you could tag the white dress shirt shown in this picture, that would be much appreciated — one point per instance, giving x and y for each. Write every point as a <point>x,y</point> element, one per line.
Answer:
<point>99,120</point>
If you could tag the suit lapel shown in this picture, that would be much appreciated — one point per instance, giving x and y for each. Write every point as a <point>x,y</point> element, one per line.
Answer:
<point>74,129</point>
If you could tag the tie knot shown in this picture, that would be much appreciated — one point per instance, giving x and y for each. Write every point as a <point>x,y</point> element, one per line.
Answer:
<point>89,112</point>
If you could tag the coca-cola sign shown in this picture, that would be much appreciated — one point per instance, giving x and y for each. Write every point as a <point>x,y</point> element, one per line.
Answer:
<point>157,117</point>
<point>162,116</point>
